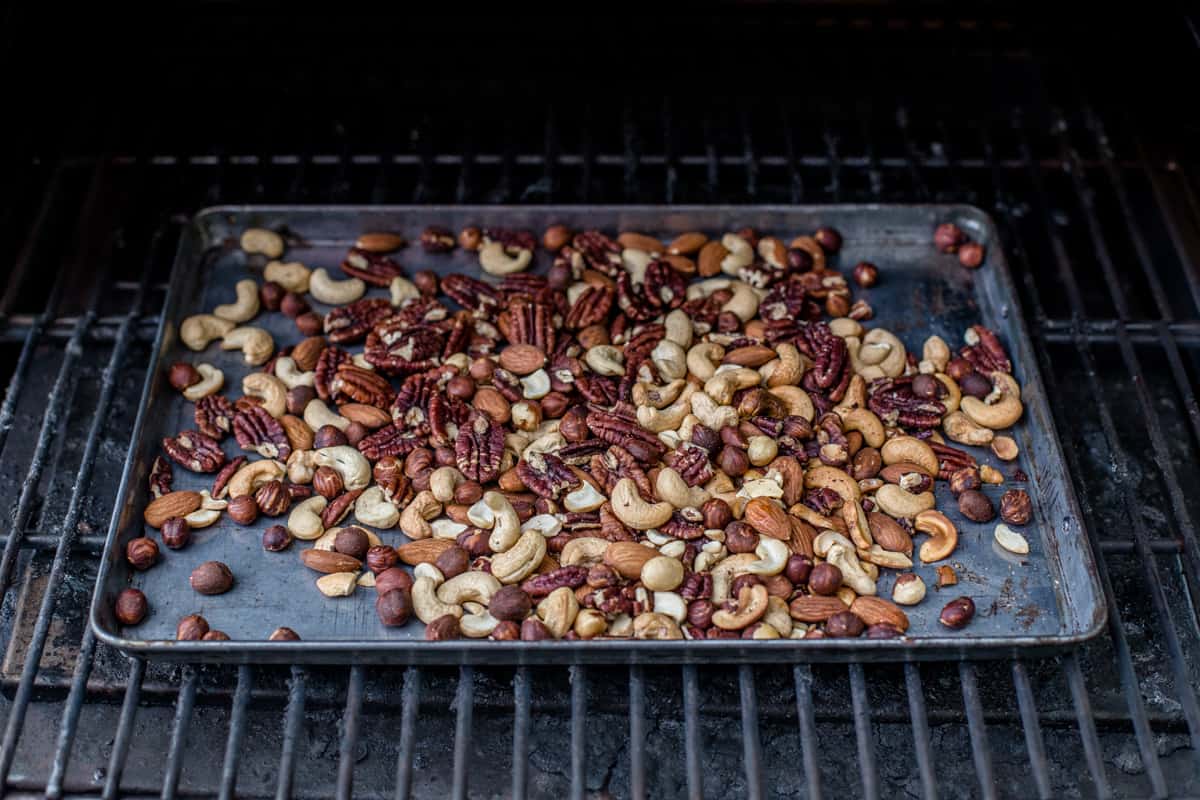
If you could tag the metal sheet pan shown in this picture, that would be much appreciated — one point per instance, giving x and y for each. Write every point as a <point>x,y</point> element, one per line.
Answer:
<point>1046,601</point>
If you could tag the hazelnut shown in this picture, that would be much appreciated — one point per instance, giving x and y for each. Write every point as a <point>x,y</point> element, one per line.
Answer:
<point>293,305</point>
<point>837,305</point>
<point>191,628</point>
<point>212,577</point>
<point>733,461</point>
<point>740,538</point>
<point>506,631</point>
<point>533,629</point>
<point>426,282</point>
<point>829,239</point>
<point>470,238</point>
<point>707,438</point>
<point>328,436</point>
<point>489,401</point>
<point>298,398</point>
<point>276,538</point>
<point>283,634</point>
<point>243,510</point>
<point>381,557</point>
<point>445,457</point>
<point>866,274</point>
<point>825,579</point>
<point>510,602</point>
<point>272,498</point>
<point>394,578</point>
<point>799,260</point>
<point>442,629</point>
<point>394,607</point>
<point>844,625</point>
<point>958,368</point>
<point>975,385</point>
<point>976,506</point>
<point>882,630</point>
<point>482,369</point>
<point>310,323</point>
<point>970,255</point>
<point>594,336</point>
<point>271,295</point>
<point>176,533</point>
<point>141,553</point>
<point>573,425</point>
<point>1015,507</point>
<point>947,237</point>
<point>453,561</point>
<point>215,636</point>
<point>958,612</point>
<point>352,541</point>
<point>964,480</point>
<point>799,569</point>
<point>866,464</point>
<point>355,433</point>
<point>461,387</point>
<point>700,613</point>
<point>734,437</point>
<point>717,514</point>
<point>131,606</point>
<point>327,482</point>
<point>182,375</point>
<point>468,493</point>
<point>746,581</point>
<point>925,386</point>
<point>555,237</point>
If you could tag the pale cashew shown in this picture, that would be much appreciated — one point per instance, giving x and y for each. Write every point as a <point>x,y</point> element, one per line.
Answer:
<point>557,611</point>
<point>519,561</point>
<point>426,604</point>
<point>211,381</point>
<point>471,586</point>
<point>506,525</point>
<point>751,605</point>
<point>317,415</point>
<point>287,371</point>
<point>953,398</point>
<point>372,508</point>
<point>585,498</point>
<point>1000,409</point>
<point>741,254</point>
<point>652,625</point>
<point>535,385</point>
<point>647,394</point>
<point>721,386</point>
<point>255,343</point>
<point>854,574</point>
<point>962,429</point>
<point>855,396</point>
<point>604,359</point>
<point>910,449</point>
<point>892,355</point>
<point>884,558</point>
<point>845,326</point>
<point>443,481</point>
<point>679,328</point>
<point>349,463</point>
<point>477,626</point>
<point>796,400</point>
<point>669,418</point>
<point>261,240</point>
<point>778,616</point>
<point>936,352</point>
<point>269,389</point>
<point>772,557</point>
<point>292,276</point>
<point>246,306</point>
<point>702,359</point>
<point>584,551</point>
<point>209,511</point>
<point>635,263</point>
<point>711,414</point>
<point>787,370</point>
<point>669,359</point>
<point>943,535</point>
<point>251,476</point>
<point>897,502</point>
<point>726,570</point>
<point>827,477</point>
<point>334,292</point>
<point>857,365</point>
<point>1011,540</point>
<point>446,528</point>
<point>856,523</point>
<point>762,450</point>
<point>414,520</point>
<point>305,520</point>
<point>337,584</point>
<point>548,525</point>
<point>495,260</point>
<point>744,303</point>
<point>635,512</point>
<point>199,330</point>
<point>674,490</point>
<point>301,465</point>
<point>402,290</point>
<point>865,422</point>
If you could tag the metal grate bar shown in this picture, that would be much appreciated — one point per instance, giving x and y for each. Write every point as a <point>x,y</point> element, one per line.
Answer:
<point>920,725</point>
<point>637,732</point>
<point>183,717</point>
<point>578,731</point>
<point>464,710</point>
<point>862,732</point>
<point>71,711</point>
<point>691,732</point>
<point>751,744</point>
<point>1087,728</point>
<point>120,751</point>
<point>975,724</point>
<point>348,749</point>
<point>802,677</point>
<point>795,180</point>
<point>1033,731</point>
<point>293,727</point>
<point>237,731</point>
<point>411,698</point>
<point>520,753</point>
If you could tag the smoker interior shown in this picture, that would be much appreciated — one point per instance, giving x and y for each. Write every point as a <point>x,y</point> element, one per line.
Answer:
<point>1073,138</point>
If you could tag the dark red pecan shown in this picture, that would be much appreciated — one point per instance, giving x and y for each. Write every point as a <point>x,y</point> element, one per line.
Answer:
<point>576,454</point>
<point>479,448</point>
<point>788,300</point>
<point>634,301</point>
<point>598,252</point>
<point>436,239</point>
<point>539,586</point>
<point>697,586</point>
<point>590,307</point>
<point>161,477</point>
<point>617,463</point>
<point>680,527</point>
<point>399,349</point>
<point>411,404</point>
<point>511,239</point>
<point>691,462</point>
<point>611,527</point>
<point>390,440</point>
<point>414,312</point>
<point>507,384</point>
<point>612,428</point>
<point>828,353</point>
<point>258,431</point>
<point>546,475</point>
<point>355,384</point>
<point>338,508</point>
<point>374,268</point>
<point>222,479</point>
<point>389,474</point>
<point>194,451</point>
<point>599,389</point>
<point>951,460</point>
<point>350,323</point>
<point>474,295</point>
<point>458,333</point>
<point>446,415</point>
<point>214,416</point>
<point>704,311</point>
<point>895,402</point>
<point>822,501</point>
<point>987,354</point>
<point>326,369</point>
<point>833,443</point>
<point>532,323</point>
<point>760,274</point>
<point>639,346</point>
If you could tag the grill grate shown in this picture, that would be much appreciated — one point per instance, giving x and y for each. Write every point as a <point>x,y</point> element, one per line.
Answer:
<point>1102,219</point>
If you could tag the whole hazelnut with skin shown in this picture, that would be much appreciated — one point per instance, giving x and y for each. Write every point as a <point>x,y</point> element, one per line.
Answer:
<point>283,634</point>
<point>573,425</point>
<point>443,629</point>
<point>482,369</point>
<point>554,405</point>
<point>191,628</point>
<point>394,578</point>
<point>947,237</point>
<point>131,606</point>
<point>298,398</point>
<point>882,630</point>
<point>958,612</point>
<point>975,385</point>
<point>141,553</point>
<point>970,255</point>
<point>453,561</point>
<point>461,387</point>
<point>556,237</point>
<point>965,479</point>
<point>825,579</point>
<point>470,238</point>
<point>215,636</point>
<point>327,482</point>
<point>176,533</point>
<point>212,577</point>
<point>1015,507</point>
<point>740,538</point>
<point>355,433</point>
<point>799,260</point>
<point>468,493</point>
<point>866,274</point>
<point>511,603</point>
<point>700,613</point>
<point>271,294</point>
<point>959,368</point>
<point>799,569</point>
<point>534,630</point>
<point>829,239</point>
<point>445,457</point>
<point>844,625</point>
<point>426,282</point>
<point>381,557</point>
<point>276,538</point>
<point>506,631</point>
<point>243,510</point>
<point>743,582</point>
<point>328,436</point>
<point>352,541</point>
<point>717,513</point>
<point>975,506</point>
<point>394,607</point>
<point>925,387</point>
<point>293,305</point>
<point>182,375</point>
<point>837,305</point>
<point>310,323</point>
<point>733,461</point>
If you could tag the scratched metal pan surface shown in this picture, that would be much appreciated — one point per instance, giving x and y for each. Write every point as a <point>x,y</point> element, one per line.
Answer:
<point>1045,601</point>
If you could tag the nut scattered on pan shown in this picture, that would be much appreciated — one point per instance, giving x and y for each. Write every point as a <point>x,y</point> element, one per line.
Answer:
<point>700,438</point>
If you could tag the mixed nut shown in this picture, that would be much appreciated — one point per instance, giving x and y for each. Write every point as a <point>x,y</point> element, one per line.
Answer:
<point>653,440</point>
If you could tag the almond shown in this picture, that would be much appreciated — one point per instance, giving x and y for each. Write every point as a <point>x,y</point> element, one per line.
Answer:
<point>379,242</point>
<point>627,558</point>
<point>492,403</point>
<point>754,355</point>
<point>329,561</point>
<point>773,252</point>
<point>522,359</point>
<point>768,518</point>
<point>299,435</point>
<point>888,534</point>
<point>307,352</point>
<point>171,504</point>
<point>640,241</point>
<point>876,610</point>
<point>687,243</point>
<point>802,535</point>
<point>365,415</point>
<point>710,258</point>
<point>815,608</point>
<point>681,264</point>
<point>423,551</point>
<point>892,473</point>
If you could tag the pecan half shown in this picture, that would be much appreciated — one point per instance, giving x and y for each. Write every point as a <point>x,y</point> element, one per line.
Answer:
<point>390,440</point>
<point>374,268</point>
<point>214,416</point>
<point>539,586</point>
<point>546,475</point>
<point>987,355</point>
<point>592,306</point>
<point>355,384</point>
<point>472,294</point>
<point>257,430</point>
<point>161,477</point>
<point>399,349</point>
<point>194,451</point>
<point>327,366</point>
<point>350,323</point>
<point>895,402</point>
<point>479,448</point>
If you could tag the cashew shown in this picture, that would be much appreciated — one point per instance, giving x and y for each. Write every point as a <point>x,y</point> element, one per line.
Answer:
<point>558,610</point>
<point>585,498</point>
<point>535,385</point>
<point>674,490</point>
<point>495,260</point>
<point>349,463</point>
<point>292,276</point>
<point>305,520</point>
<point>953,398</point>
<point>647,394</point>
<point>651,625</point>
<point>721,386</point>
<point>943,535</point>
<point>262,240</point>
<point>1011,540</point>
<point>1001,409</point>
<point>519,561</point>
<point>787,370</point>
<point>372,508</point>
<point>414,520</point>
<point>908,590</point>
<point>446,528</point>
<point>936,352</point>
<point>255,343</point>
<point>477,626</point>
<point>199,330</point>
<point>211,381</point>
<point>402,290</point>
<point>884,558</point>
<point>855,396</point>
<point>506,525</point>
<point>586,550</point>
<point>853,573</point>
<point>751,605</point>
<point>778,616</point>
<point>679,328</point>
<point>897,502</point>
<point>669,359</point>
<point>209,511</point>
<point>912,450</point>
<point>856,523</point>
<point>669,418</point>
<point>317,415</point>
<point>702,359</point>
<point>826,477</point>
<point>845,326</point>
<point>335,292</point>
<point>426,604</point>
<point>468,586</point>
<point>245,307</point>
<point>443,481</point>
<point>635,512</point>
<point>291,376</point>
<point>251,476</point>
<point>858,366</point>
<point>865,422</point>
<point>962,429</point>
<point>301,465</point>
<point>881,347</point>
<point>744,303</point>
<point>772,557</point>
<point>604,359</point>
<point>797,401</point>
<point>726,570</point>
<point>338,584</point>
<point>269,389</point>
<point>741,254</point>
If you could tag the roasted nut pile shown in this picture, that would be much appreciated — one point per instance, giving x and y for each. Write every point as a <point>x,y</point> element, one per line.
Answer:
<point>662,440</point>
